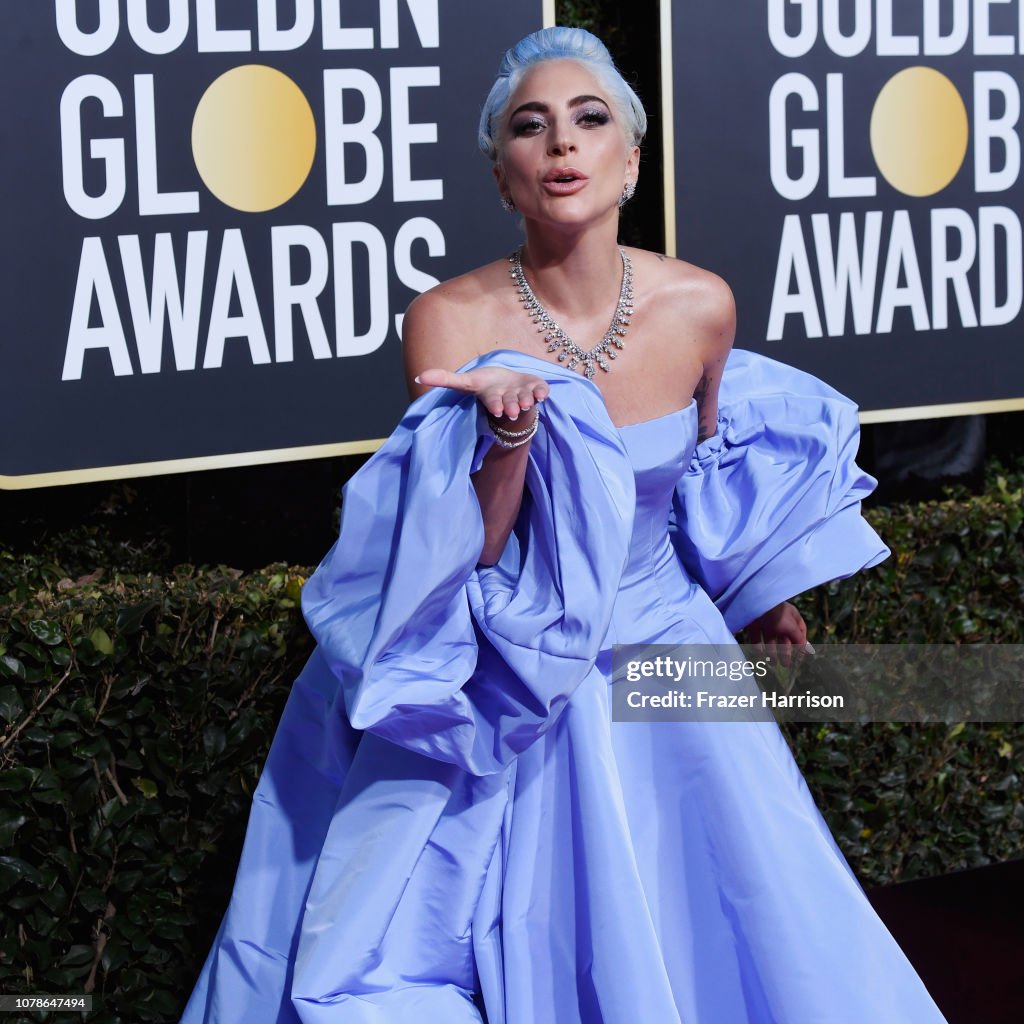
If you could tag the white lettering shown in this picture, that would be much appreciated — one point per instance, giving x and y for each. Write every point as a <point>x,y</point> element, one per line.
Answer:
<point>94,279</point>
<point>793,260</point>
<point>337,38</point>
<point>902,256</point>
<point>989,129</point>
<point>233,274</point>
<point>405,134</point>
<point>288,294</point>
<point>985,43</point>
<point>109,151</point>
<point>935,43</point>
<point>416,229</point>
<point>784,43</point>
<point>804,139</point>
<point>992,312</point>
<point>948,270</point>
<point>424,16</point>
<point>847,275</point>
<point>347,342</point>
<point>158,42</point>
<point>211,39</point>
<point>151,200</point>
<point>857,40</point>
<point>165,302</point>
<point>87,44</point>
<point>839,185</point>
<point>338,134</point>
<point>272,36</point>
<point>888,43</point>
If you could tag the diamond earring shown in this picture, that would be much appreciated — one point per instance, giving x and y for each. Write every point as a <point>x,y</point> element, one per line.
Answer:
<point>507,204</point>
<point>628,191</point>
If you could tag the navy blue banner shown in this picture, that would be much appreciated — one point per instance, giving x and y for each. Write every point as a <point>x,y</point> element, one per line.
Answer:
<point>852,168</point>
<point>216,213</point>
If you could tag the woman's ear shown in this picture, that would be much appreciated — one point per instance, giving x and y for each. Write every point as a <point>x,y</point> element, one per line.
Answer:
<point>504,196</point>
<point>499,177</point>
<point>633,165</point>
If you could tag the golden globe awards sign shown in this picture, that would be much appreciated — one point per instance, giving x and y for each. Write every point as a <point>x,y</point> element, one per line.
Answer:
<point>852,168</point>
<point>216,212</point>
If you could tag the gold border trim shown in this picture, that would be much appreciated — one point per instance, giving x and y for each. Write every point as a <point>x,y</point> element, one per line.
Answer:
<point>668,139</point>
<point>548,13</point>
<point>203,462</point>
<point>326,451</point>
<point>931,412</point>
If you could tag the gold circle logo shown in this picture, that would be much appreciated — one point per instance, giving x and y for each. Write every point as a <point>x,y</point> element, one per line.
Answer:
<point>253,138</point>
<point>919,131</point>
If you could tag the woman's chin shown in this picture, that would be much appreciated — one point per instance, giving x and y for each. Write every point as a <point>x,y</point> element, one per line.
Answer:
<point>566,212</point>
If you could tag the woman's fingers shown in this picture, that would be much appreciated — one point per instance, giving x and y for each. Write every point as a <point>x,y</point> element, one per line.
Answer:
<point>533,394</point>
<point>446,379</point>
<point>491,385</point>
<point>509,406</point>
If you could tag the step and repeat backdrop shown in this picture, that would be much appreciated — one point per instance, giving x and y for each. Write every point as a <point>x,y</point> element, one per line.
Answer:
<point>215,214</point>
<point>852,168</point>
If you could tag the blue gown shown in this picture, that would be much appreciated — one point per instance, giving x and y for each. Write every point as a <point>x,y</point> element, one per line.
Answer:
<point>450,819</point>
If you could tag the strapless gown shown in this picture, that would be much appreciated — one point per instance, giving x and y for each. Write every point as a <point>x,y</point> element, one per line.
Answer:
<point>450,826</point>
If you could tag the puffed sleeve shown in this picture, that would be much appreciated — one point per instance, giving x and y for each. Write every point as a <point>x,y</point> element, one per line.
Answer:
<point>464,663</point>
<point>771,504</point>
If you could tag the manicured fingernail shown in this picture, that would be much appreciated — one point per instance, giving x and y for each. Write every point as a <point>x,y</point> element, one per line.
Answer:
<point>809,648</point>
<point>417,378</point>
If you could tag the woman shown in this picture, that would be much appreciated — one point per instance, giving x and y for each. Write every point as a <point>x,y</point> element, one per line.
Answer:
<point>450,826</point>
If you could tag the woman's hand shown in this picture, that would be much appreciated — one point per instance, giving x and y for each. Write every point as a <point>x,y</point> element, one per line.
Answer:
<point>503,393</point>
<point>779,633</point>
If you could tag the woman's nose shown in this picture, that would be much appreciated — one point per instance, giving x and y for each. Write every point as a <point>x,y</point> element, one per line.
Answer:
<point>561,143</point>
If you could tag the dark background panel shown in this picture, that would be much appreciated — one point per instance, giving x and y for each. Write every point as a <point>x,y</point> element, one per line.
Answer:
<point>729,216</point>
<point>50,425</point>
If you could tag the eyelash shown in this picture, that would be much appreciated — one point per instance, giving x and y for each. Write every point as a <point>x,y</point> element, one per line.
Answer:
<point>588,118</point>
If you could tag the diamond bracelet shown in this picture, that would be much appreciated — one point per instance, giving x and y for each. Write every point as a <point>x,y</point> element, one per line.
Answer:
<point>513,438</point>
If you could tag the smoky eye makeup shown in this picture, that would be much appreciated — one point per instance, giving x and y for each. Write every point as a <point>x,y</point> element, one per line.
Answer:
<point>526,125</point>
<point>592,116</point>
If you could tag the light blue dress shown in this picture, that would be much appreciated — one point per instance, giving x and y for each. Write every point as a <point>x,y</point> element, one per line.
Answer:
<point>451,828</point>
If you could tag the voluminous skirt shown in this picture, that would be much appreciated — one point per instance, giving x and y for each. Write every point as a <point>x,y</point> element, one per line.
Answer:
<point>450,826</point>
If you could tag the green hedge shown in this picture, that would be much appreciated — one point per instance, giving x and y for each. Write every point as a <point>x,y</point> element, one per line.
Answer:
<point>137,709</point>
<point>909,801</point>
<point>137,713</point>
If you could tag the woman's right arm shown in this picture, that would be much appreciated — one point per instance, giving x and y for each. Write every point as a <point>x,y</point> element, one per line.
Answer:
<point>431,339</point>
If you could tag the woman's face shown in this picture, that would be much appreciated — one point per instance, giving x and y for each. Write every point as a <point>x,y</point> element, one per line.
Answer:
<point>563,154</point>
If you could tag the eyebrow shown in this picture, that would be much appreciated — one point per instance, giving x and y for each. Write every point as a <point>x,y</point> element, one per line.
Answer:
<point>543,107</point>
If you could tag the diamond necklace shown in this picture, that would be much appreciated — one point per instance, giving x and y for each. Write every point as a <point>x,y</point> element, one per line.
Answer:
<point>558,339</point>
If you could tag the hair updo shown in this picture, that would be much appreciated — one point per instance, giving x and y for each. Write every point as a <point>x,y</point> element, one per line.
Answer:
<point>560,44</point>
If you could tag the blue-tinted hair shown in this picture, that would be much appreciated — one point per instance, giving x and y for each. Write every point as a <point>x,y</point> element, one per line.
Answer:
<point>559,44</point>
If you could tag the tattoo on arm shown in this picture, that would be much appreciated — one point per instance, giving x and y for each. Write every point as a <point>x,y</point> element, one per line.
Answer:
<point>705,424</point>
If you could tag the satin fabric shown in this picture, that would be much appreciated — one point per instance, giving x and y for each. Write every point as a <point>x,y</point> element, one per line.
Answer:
<point>449,826</point>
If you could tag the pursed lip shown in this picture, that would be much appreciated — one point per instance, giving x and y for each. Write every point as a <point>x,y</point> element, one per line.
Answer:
<point>563,181</point>
<point>564,172</point>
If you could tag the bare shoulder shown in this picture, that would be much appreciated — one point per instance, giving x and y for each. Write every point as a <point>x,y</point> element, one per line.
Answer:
<point>694,308</point>
<point>443,326</point>
<point>459,298</point>
<point>701,296</point>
